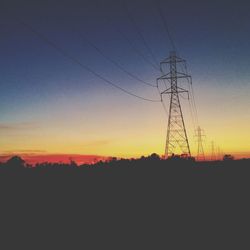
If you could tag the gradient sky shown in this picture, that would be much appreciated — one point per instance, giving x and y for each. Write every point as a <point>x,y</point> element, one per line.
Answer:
<point>50,105</point>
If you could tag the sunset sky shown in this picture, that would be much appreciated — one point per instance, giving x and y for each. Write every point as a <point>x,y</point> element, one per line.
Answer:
<point>50,105</point>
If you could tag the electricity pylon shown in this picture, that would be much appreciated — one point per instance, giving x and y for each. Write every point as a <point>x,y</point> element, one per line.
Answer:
<point>218,153</point>
<point>177,140</point>
<point>213,158</point>
<point>200,150</point>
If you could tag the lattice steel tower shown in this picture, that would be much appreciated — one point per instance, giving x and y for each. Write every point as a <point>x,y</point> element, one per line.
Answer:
<point>177,140</point>
<point>200,151</point>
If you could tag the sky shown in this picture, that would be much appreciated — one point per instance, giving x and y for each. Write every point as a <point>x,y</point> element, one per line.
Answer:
<point>49,104</point>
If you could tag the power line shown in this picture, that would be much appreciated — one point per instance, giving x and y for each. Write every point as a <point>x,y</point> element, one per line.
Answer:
<point>165,24</point>
<point>193,103</point>
<point>132,20</point>
<point>195,107</point>
<point>191,107</point>
<point>192,99</point>
<point>68,56</point>
<point>162,101</point>
<point>191,91</point>
<point>83,37</point>
<point>192,114</point>
<point>131,44</point>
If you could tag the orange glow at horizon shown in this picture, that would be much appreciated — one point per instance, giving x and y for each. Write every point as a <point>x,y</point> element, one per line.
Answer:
<point>121,127</point>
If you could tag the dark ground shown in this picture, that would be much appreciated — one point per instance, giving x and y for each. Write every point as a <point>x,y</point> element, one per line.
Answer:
<point>144,204</point>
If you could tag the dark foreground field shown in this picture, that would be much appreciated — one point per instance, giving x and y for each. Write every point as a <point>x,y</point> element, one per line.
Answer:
<point>144,204</point>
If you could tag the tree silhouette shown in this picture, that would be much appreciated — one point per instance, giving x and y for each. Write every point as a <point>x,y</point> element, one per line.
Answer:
<point>15,162</point>
<point>228,158</point>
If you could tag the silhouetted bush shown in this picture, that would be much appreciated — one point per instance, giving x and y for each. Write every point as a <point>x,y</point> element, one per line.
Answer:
<point>152,164</point>
<point>15,162</point>
<point>228,158</point>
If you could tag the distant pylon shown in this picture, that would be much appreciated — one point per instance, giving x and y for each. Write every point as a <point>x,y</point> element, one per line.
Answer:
<point>213,158</point>
<point>219,154</point>
<point>177,140</point>
<point>200,150</point>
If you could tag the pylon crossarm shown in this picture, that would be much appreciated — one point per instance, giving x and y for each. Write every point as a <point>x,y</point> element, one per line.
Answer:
<point>180,59</point>
<point>167,91</point>
<point>163,77</point>
<point>182,74</point>
<point>169,60</point>
<point>177,76</point>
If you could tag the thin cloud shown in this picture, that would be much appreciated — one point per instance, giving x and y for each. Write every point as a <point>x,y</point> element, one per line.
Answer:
<point>18,126</point>
<point>24,151</point>
<point>55,158</point>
